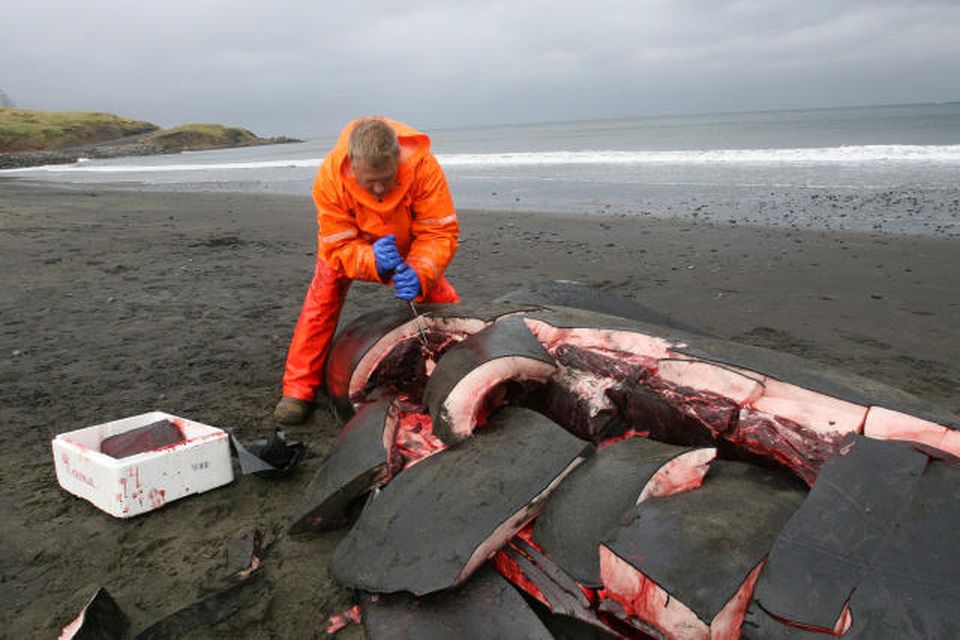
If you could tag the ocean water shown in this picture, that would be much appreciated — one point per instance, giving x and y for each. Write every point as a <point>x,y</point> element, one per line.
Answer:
<point>891,169</point>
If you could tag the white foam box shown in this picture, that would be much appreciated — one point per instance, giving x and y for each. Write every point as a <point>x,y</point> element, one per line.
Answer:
<point>125,487</point>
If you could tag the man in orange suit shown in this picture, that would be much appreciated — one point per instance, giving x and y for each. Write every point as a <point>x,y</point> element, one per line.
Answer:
<point>385,215</point>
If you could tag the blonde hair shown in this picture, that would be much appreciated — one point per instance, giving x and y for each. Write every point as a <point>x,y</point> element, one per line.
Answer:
<point>373,142</point>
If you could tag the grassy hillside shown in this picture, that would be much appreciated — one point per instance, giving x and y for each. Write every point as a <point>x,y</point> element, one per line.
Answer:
<point>201,136</point>
<point>30,130</point>
<point>31,138</point>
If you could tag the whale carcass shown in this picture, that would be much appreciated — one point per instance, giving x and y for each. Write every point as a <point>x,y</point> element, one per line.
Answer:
<point>639,476</point>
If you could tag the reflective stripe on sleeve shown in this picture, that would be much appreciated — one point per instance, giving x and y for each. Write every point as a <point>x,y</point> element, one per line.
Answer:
<point>444,220</point>
<point>337,237</point>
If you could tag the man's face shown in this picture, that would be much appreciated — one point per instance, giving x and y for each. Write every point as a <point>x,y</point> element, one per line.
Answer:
<point>378,181</point>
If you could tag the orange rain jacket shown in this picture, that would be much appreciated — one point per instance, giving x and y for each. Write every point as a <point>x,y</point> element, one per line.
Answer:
<point>419,210</point>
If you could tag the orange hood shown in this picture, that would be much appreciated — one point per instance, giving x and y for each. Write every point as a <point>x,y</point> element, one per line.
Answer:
<point>413,146</point>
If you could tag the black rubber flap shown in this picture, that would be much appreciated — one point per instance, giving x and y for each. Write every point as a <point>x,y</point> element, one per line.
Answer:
<point>283,457</point>
<point>355,465</point>
<point>486,607</point>
<point>700,545</point>
<point>880,528</point>
<point>249,462</point>
<point>420,532</point>
<point>509,337</point>
<point>592,502</point>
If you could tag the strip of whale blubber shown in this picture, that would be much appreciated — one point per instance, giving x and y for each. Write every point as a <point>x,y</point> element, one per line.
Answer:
<point>910,589</point>
<point>356,461</point>
<point>700,545</point>
<point>199,617</point>
<point>100,619</point>
<point>825,549</point>
<point>507,337</point>
<point>591,503</point>
<point>817,377</point>
<point>149,437</point>
<point>562,594</point>
<point>350,345</point>
<point>486,606</point>
<point>421,532</point>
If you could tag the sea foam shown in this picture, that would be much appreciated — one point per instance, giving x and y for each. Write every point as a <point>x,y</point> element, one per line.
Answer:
<point>842,154</point>
<point>853,154</point>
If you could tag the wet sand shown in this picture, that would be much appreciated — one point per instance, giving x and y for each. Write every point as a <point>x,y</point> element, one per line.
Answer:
<point>116,303</point>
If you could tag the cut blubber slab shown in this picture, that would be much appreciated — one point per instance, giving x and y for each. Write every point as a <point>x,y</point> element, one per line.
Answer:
<point>486,607</point>
<point>687,563</point>
<point>590,504</point>
<point>462,388</point>
<point>439,520</point>
<point>357,463</point>
<point>872,551</point>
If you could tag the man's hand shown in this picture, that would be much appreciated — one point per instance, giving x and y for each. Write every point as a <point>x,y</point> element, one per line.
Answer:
<point>406,281</point>
<point>386,254</point>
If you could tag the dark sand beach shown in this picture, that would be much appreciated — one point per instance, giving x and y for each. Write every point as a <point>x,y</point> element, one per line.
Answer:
<point>114,303</point>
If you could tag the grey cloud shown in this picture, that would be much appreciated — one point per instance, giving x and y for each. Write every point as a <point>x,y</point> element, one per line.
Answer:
<point>303,69</point>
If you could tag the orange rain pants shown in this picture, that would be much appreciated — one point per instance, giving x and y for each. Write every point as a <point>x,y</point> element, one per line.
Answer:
<point>313,335</point>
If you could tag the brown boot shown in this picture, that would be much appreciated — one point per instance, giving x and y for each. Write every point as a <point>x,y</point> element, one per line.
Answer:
<point>291,410</point>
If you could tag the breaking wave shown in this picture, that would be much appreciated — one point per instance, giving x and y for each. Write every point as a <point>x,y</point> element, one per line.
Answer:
<point>832,155</point>
<point>854,154</point>
<point>85,165</point>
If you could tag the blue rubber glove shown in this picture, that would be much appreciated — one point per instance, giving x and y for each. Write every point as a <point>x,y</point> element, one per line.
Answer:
<point>407,282</point>
<point>386,254</point>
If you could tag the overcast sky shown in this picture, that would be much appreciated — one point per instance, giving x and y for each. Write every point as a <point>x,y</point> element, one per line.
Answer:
<point>304,68</point>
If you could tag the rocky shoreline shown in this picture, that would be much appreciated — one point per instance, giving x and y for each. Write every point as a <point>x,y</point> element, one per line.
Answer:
<point>112,149</point>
